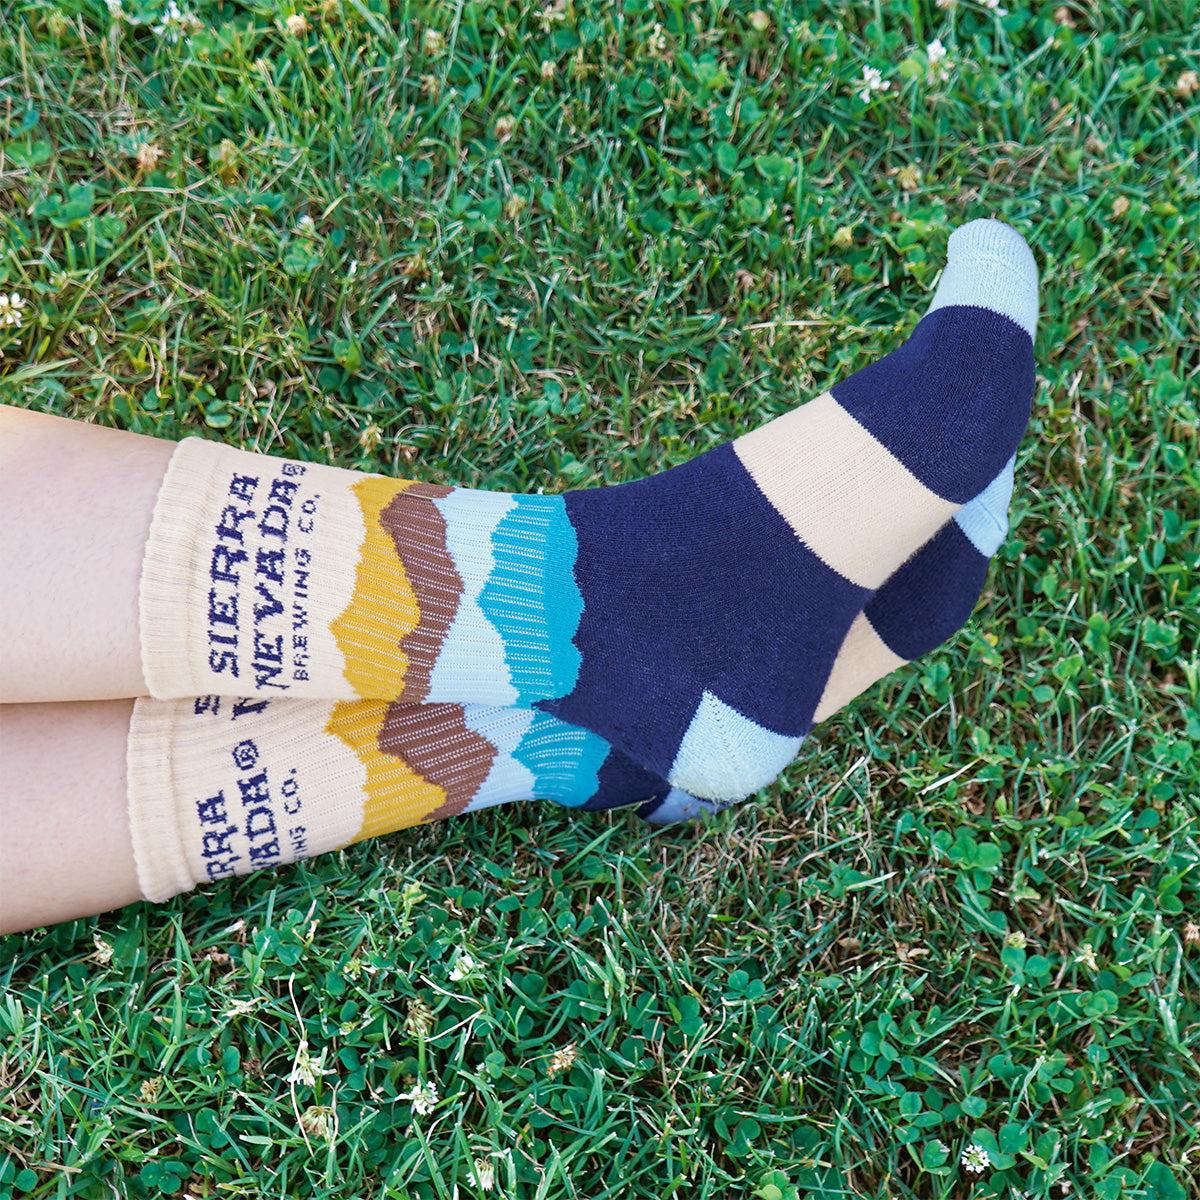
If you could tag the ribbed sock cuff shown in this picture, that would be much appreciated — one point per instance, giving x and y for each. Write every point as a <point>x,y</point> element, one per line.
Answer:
<point>168,610</point>
<point>154,818</point>
<point>249,563</point>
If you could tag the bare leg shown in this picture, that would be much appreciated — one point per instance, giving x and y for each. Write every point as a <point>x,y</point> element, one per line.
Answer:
<point>65,850</point>
<point>75,507</point>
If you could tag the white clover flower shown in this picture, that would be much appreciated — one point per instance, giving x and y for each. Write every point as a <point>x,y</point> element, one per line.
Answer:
<point>422,1099</point>
<point>419,1021</point>
<point>176,23</point>
<point>10,309</point>
<point>306,1069</point>
<point>872,81</point>
<point>552,14</point>
<point>317,1120</point>
<point>994,5</point>
<point>975,1159</point>
<point>147,155</point>
<point>484,1174</point>
<point>939,61</point>
<point>562,1060</point>
<point>464,966</point>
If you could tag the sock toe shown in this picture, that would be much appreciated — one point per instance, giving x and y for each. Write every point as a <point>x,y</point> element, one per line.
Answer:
<point>989,265</point>
<point>677,806</point>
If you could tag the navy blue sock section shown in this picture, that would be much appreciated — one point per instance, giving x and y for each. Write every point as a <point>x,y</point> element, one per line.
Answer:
<point>692,581</point>
<point>952,402</point>
<point>929,597</point>
<point>622,781</point>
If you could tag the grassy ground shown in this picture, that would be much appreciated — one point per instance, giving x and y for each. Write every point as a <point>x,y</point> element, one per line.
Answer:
<point>527,249</point>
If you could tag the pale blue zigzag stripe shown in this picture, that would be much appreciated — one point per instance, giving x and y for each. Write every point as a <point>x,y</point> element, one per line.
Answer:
<point>508,780</point>
<point>471,660</point>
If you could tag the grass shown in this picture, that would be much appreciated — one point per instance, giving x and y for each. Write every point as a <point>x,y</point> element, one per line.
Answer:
<point>523,249</point>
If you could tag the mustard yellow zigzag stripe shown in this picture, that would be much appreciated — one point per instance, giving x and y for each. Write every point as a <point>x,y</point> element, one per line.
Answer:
<point>397,797</point>
<point>383,610</point>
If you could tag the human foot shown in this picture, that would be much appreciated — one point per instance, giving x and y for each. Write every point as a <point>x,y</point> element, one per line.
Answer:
<point>692,619</point>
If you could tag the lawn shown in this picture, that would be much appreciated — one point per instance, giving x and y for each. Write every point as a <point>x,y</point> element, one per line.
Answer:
<point>530,248</point>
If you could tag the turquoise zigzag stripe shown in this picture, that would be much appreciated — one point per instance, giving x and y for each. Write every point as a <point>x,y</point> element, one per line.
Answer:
<point>531,597</point>
<point>565,760</point>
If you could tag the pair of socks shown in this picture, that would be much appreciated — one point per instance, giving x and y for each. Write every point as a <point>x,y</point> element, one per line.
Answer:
<point>372,653</point>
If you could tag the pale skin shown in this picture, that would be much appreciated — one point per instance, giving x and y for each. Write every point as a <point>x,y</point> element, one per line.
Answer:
<point>84,495</point>
<point>65,849</point>
<point>78,500</point>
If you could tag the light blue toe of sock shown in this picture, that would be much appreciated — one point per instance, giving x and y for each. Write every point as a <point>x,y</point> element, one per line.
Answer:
<point>989,265</point>
<point>678,805</point>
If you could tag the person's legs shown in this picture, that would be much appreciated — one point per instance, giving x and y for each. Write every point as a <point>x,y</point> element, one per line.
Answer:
<point>65,849</point>
<point>219,787</point>
<point>76,501</point>
<point>106,802</point>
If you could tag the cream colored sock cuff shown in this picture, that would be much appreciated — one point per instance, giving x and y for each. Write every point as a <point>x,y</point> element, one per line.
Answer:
<point>219,787</point>
<point>154,823</point>
<point>199,615</point>
<point>165,604</point>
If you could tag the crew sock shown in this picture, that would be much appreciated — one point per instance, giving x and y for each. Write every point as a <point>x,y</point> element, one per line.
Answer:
<point>221,786</point>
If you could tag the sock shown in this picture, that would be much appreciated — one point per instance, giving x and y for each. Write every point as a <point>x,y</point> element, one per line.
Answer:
<point>221,786</point>
<point>691,619</point>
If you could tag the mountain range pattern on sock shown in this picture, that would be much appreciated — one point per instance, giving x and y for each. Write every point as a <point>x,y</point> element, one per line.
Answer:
<point>692,619</point>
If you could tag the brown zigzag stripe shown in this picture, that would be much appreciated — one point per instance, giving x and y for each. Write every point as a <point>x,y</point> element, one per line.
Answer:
<point>433,739</point>
<point>418,531</point>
